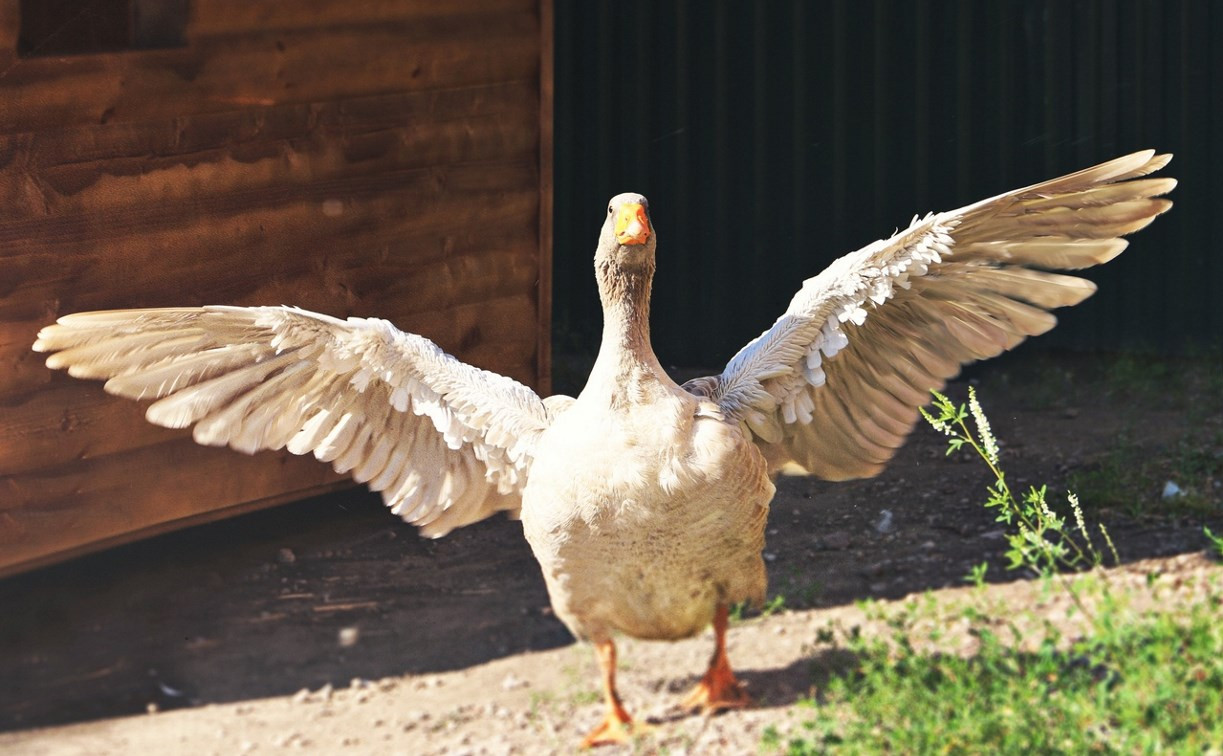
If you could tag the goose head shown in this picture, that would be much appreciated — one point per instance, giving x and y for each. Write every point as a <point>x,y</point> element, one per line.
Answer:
<point>627,240</point>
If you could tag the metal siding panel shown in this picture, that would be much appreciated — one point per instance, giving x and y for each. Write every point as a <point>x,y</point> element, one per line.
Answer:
<point>774,137</point>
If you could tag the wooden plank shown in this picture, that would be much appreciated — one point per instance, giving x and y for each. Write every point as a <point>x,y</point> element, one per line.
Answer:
<point>433,199</point>
<point>269,170</point>
<point>207,131</point>
<point>163,137</point>
<point>265,192</point>
<point>259,70</point>
<point>34,559</point>
<point>107,497</point>
<point>68,420</point>
<point>229,17</point>
<point>264,248</point>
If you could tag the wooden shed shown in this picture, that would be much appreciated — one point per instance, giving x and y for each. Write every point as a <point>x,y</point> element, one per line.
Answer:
<point>383,158</point>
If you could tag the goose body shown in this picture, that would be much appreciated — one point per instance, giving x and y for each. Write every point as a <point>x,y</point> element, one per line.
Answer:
<point>644,501</point>
<point>665,479</point>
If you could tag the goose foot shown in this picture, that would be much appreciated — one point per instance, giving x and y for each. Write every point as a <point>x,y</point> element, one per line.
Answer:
<point>718,690</point>
<point>614,730</point>
<point>617,725</point>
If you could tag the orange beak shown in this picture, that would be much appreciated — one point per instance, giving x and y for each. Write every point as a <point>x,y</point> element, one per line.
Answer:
<point>632,225</point>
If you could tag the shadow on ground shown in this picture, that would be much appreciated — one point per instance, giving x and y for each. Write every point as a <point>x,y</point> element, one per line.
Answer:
<point>315,592</point>
<point>336,588</point>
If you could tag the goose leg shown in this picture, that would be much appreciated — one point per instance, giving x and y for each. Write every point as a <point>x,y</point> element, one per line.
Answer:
<point>718,689</point>
<point>617,726</point>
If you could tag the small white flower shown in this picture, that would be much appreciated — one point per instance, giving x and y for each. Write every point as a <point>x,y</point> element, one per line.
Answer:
<point>1078,514</point>
<point>988,442</point>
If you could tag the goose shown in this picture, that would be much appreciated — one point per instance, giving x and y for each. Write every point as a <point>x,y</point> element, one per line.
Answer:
<point>644,501</point>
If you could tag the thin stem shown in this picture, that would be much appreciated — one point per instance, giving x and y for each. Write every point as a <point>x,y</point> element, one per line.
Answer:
<point>1037,524</point>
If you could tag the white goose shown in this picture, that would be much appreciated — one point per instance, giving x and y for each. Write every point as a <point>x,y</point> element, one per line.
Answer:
<point>644,501</point>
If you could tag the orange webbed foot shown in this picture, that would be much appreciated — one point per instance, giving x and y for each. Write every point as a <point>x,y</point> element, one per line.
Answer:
<point>611,731</point>
<point>617,725</point>
<point>615,729</point>
<point>717,691</point>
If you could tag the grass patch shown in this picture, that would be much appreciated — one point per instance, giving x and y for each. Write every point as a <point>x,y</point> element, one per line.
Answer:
<point>1216,543</point>
<point>1146,686</point>
<point>1131,476</point>
<point>1131,479</point>
<point>1128,682</point>
<point>743,611</point>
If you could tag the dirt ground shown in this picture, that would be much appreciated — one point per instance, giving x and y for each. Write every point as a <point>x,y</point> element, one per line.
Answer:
<point>328,625</point>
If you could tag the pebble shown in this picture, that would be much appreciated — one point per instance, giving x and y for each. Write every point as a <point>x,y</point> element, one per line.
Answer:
<point>348,637</point>
<point>513,682</point>
<point>287,739</point>
<point>884,523</point>
<point>286,556</point>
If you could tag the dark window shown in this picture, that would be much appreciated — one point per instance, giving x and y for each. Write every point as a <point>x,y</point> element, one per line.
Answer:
<point>76,27</point>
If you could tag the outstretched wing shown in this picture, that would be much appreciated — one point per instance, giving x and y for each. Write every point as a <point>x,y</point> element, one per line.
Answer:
<point>836,383</point>
<point>447,444</point>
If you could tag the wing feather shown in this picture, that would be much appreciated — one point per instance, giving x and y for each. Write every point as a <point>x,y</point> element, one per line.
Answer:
<point>446,443</point>
<point>835,384</point>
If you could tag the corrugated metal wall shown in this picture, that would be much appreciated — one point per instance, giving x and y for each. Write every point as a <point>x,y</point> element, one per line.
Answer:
<point>772,137</point>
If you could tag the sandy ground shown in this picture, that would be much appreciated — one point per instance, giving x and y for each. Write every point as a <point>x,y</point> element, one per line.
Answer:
<point>541,701</point>
<point>328,626</point>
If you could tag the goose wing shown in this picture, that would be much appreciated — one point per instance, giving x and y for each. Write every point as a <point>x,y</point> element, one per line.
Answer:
<point>835,384</point>
<point>445,443</point>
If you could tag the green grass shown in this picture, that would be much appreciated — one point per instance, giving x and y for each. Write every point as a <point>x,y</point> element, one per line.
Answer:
<point>1154,685</point>
<point>1216,543</point>
<point>1130,478</point>
<point>1132,682</point>
<point>743,611</point>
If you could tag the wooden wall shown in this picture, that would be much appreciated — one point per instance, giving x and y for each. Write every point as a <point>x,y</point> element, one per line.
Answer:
<point>383,158</point>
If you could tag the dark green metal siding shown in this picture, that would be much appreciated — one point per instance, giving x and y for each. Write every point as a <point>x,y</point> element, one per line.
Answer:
<point>772,137</point>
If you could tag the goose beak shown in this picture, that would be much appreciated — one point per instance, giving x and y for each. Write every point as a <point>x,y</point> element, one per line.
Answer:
<point>632,225</point>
